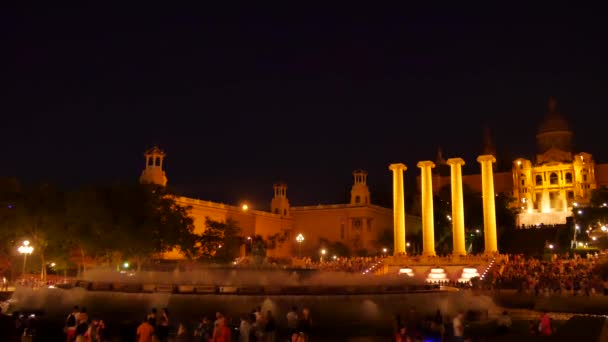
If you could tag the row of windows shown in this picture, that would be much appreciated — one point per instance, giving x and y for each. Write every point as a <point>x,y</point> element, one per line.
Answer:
<point>357,225</point>
<point>154,161</point>
<point>553,179</point>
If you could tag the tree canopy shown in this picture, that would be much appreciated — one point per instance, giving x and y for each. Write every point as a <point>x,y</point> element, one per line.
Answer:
<point>96,224</point>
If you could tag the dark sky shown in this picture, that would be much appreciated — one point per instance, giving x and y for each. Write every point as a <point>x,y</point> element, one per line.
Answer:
<point>242,98</point>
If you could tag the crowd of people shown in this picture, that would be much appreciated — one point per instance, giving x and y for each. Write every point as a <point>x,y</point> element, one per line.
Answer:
<point>257,326</point>
<point>343,264</point>
<point>562,275</point>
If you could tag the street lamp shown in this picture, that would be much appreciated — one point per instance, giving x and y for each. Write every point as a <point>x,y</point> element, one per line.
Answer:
<point>323,251</point>
<point>250,244</point>
<point>384,250</point>
<point>300,239</point>
<point>245,207</point>
<point>25,249</point>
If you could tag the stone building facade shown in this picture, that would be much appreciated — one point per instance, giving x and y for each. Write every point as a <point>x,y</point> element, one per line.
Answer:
<point>356,224</point>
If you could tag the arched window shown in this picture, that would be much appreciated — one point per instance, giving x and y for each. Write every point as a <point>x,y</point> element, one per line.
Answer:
<point>568,177</point>
<point>553,178</point>
<point>157,161</point>
<point>276,210</point>
<point>539,180</point>
<point>150,161</point>
<point>357,199</point>
<point>284,212</point>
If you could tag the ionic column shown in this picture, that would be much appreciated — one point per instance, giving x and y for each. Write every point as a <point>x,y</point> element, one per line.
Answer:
<point>489,206</point>
<point>457,206</point>
<point>428,226</point>
<point>398,208</point>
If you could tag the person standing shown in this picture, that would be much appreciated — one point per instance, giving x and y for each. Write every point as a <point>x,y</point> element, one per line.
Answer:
<point>545,325</point>
<point>458,323</point>
<point>305,322</point>
<point>221,333</point>
<point>270,329</point>
<point>145,331</point>
<point>70,324</point>
<point>292,321</point>
<point>163,325</point>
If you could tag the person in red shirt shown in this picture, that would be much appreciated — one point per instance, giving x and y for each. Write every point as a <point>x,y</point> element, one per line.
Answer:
<point>221,333</point>
<point>545,325</point>
<point>145,331</point>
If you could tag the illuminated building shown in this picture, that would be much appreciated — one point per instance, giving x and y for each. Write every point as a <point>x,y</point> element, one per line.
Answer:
<point>547,188</point>
<point>356,224</point>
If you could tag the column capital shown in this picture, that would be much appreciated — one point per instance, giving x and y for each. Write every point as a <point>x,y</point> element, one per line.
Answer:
<point>397,167</point>
<point>425,163</point>
<point>486,158</point>
<point>455,161</point>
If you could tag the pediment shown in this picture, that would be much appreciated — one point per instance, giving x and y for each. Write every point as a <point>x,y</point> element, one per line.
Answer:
<point>554,155</point>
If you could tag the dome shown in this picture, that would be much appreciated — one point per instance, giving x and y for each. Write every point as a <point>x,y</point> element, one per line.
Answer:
<point>554,132</point>
<point>554,121</point>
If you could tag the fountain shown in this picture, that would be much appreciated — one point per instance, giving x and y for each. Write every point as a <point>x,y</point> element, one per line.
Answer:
<point>436,275</point>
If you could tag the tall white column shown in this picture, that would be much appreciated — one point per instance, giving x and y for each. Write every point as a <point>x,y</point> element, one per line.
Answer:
<point>428,225</point>
<point>489,206</point>
<point>457,206</point>
<point>398,208</point>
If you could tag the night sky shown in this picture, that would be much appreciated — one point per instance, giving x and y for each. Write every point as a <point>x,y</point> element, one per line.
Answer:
<point>241,99</point>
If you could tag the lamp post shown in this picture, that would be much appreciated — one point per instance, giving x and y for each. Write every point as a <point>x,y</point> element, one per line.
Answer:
<point>323,251</point>
<point>25,249</point>
<point>250,244</point>
<point>300,239</point>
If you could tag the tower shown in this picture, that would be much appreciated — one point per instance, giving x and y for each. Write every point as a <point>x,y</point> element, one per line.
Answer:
<point>359,194</point>
<point>153,172</point>
<point>280,204</point>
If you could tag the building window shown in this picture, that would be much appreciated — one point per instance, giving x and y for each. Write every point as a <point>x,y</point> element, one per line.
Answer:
<point>584,178</point>
<point>357,199</point>
<point>357,224</point>
<point>570,194</point>
<point>342,231</point>
<point>284,212</point>
<point>369,225</point>
<point>539,180</point>
<point>523,182</point>
<point>553,178</point>
<point>150,161</point>
<point>568,177</point>
<point>276,210</point>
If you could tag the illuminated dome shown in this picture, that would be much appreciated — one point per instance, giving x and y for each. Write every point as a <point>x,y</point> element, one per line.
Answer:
<point>554,132</point>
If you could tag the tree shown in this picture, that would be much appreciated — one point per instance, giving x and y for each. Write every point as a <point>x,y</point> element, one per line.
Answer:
<point>150,222</point>
<point>599,197</point>
<point>221,241</point>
